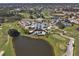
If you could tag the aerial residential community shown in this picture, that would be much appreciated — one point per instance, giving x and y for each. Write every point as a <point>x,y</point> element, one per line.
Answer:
<point>39,29</point>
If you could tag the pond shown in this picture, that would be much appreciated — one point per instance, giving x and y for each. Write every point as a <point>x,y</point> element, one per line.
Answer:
<point>25,46</point>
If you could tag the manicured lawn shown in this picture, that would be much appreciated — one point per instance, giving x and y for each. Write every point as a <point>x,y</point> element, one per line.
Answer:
<point>8,48</point>
<point>9,51</point>
<point>58,43</point>
<point>75,34</point>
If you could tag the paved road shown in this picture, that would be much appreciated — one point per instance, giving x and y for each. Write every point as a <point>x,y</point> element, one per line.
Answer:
<point>70,47</point>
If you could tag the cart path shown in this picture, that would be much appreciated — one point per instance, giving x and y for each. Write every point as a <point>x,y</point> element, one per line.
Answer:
<point>70,47</point>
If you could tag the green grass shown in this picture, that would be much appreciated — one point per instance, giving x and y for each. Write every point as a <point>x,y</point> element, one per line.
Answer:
<point>56,40</point>
<point>4,37</point>
<point>9,51</point>
<point>75,34</point>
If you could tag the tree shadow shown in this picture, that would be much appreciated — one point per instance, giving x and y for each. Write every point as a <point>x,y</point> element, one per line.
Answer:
<point>25,46</point>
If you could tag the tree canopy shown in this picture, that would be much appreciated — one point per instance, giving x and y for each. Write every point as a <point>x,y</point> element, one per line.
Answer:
<point>13,33</point>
